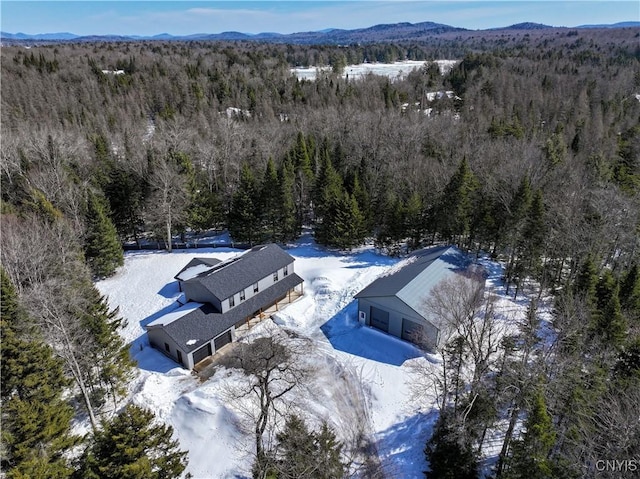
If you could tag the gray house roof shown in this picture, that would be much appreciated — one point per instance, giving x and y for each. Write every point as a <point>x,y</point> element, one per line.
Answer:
<point>413,283</point>
<point>240,272</point>
<point>204,323</point>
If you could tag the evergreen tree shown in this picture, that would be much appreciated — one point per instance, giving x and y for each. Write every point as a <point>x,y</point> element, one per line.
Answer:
<point>302,453</point>
<point>301,160</point>
<point>132,446</point>
<point>104,162</point>
<point>530,456</point>
<point>106,350</point>
<point>329,453</point>
<point>327,194</point>
<point>206,210</point>
<point>126,191</point>
<point>361,195</point>
<point>392,231</point>
<point>531,241</point>
<point>610,324</point>
<point>35,419</point>
<point>555,150</point>
<point>295,449</point>
<point>456,204</point>
<point>103,251</point>
<point>518,208</point>
<point>448,454</point>
<point>269,193</point>
<point>342,223</point>
<point>520,202</point>
<point>414,221</point>
<point>630,292</point>
<point>244,214</point>
<point>42,207</point>
<point>288,228</point>
<point>485,227</point>
<point>535,230</point>
<point>586,280</point>
<point>353,223</point>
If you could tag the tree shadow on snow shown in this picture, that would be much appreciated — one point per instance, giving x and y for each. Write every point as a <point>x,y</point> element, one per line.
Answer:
<point>346,334</point>
<point>401,446</point>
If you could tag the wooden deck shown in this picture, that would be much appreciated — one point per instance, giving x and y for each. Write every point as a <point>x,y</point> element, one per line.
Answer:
<point>267,313</point>
<point>204,369</point>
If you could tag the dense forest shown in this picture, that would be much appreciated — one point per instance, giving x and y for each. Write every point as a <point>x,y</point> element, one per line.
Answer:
<point>534,159</point>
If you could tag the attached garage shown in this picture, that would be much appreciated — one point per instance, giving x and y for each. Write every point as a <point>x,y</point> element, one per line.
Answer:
<point>223,339</point>
<point>380,319</point>
<point>203,352</point>
<point>412,331</point>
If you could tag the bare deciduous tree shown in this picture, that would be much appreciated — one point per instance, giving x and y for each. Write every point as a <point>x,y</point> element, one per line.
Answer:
<point>53,303</point>
<point>169,198</point>
<point>44,261</point>
<point>454,303</point>
<point>273,367</point>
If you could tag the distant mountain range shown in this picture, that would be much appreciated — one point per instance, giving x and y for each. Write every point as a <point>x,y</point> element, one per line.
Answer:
<point>376,33</point>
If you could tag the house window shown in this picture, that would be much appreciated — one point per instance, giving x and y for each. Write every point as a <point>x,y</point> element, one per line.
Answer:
<point>275,276</point>
<point>242,295</point>
<point>166,346</point>
<point>255,288</point>
<point>232,301</point>
<point>179,357</point>
<point>285,270</point>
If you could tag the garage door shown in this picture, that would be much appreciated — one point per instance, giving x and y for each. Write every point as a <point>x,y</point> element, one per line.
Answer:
<point>200,354</point>
<point>224,338</point>
<point>380,319</point>
<point>412,331</point>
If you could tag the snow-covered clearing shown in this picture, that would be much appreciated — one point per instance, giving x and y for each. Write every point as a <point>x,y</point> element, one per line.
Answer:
<point>395,70</point>
<point>362,376</point>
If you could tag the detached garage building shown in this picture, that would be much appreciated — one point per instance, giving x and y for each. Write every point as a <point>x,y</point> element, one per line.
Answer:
<point>395,303</point>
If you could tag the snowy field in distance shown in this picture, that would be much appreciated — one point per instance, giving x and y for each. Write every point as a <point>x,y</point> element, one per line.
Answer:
<point>396,70</point>
<point>360,371</point>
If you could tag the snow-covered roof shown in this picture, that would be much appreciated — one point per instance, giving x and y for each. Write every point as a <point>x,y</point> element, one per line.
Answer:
<point>174,315</point>
<point>195,267</point>
<point>432,95</point>
<point>192,272</point>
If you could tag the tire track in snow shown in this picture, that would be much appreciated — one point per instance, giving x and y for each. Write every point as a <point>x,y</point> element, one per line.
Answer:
<point>352,399</point>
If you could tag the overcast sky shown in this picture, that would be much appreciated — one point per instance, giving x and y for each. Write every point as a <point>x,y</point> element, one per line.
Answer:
<point>187,17</point>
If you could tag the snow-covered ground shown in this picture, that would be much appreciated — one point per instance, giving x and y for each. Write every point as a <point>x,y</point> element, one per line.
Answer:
<point>395,70</point>
<point>360,374</point>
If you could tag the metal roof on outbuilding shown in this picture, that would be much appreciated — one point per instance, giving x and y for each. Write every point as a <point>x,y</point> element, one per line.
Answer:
<point>413,282</point>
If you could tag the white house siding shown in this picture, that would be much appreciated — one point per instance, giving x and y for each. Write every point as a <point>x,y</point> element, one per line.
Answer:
<point>398,310</point>
<point>263,284</point>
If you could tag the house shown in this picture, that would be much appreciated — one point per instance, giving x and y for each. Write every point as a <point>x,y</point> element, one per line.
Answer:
<point>220,297</point>
<point>395,303</point>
